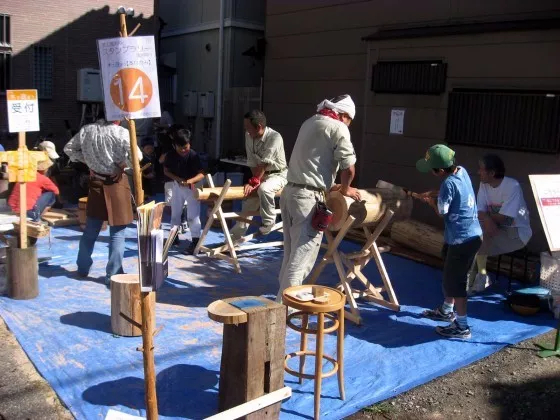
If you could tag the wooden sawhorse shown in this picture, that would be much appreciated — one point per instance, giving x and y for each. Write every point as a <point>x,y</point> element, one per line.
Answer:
<point>355,262</point>
<point>230,247</point>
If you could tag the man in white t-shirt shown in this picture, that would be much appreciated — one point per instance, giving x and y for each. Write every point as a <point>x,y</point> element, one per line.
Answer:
<point>503,215</point>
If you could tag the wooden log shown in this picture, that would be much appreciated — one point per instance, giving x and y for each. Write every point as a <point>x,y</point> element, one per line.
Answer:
<point>22,273</point>
<point>253,352</point>
<point>418,236</point>
<point>418,239</point>
<point>233,193</point>
<point>125,305</point>
<point>371,209</point>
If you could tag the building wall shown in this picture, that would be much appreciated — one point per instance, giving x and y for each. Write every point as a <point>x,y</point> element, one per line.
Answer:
<point>71,30</point>
<point>509,60</point>
<point>191,36</point>
<point>315,50</point>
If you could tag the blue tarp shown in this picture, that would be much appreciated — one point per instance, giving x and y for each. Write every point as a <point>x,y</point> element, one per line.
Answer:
<point>66,332</point>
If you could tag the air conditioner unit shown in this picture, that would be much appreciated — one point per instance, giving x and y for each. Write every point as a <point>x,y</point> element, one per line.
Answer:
<point>206,104</point>
<point>190,103</point>
<point>89,86</point>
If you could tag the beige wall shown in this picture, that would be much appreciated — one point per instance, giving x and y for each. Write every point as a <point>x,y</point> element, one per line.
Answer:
<point>315,50</point>
<point>513,60</point>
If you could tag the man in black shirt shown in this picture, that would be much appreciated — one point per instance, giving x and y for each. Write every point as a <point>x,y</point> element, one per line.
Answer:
<point>182,165</point>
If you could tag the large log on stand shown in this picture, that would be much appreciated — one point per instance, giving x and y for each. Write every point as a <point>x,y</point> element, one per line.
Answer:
<point>371,209</point>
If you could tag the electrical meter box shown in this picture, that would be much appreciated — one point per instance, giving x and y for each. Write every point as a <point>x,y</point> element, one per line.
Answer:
<point>190,104</point>
<point>206,104</point>
<point>89,86</point>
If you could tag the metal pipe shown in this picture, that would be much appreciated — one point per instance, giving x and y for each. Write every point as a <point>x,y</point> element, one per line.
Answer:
<point>220,89</point>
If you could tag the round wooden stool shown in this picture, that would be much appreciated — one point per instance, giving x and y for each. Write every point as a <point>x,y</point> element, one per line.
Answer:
<point>332,301</point>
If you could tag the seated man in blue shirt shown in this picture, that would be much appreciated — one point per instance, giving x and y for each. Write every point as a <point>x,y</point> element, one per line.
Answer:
<point>182,165</point>
<point>462,238</point>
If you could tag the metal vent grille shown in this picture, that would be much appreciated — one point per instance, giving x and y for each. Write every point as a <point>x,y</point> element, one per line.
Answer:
<point>411,77</point>
<point>526,121</point>
<point>43,71</point>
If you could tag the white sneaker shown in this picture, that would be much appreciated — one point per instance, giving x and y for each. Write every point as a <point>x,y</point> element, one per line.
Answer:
<point>481,282</point>
<point>266,229</point>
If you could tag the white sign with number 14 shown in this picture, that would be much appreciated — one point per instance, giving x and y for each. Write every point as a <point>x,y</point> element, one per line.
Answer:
<point>129,74</point>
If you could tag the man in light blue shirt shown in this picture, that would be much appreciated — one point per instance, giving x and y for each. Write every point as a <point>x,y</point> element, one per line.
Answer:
<point>462,238</point>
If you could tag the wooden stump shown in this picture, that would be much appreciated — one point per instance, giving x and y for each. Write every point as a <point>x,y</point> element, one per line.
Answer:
<point>23,273</point>
<point>126,314</point>
<point>252,353</point>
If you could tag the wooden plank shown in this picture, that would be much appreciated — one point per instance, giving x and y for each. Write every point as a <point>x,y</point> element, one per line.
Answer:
<point>253,405</point>
<point>55,215</point>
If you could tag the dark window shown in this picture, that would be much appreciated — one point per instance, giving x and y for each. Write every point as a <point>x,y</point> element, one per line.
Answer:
<point>5,39</point>
<point>5,53</point>
<point>517,120</point>
<point>43,71</point>
<point>410,77</point>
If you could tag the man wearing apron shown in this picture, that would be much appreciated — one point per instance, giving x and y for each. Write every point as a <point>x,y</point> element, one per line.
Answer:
<point>105,148</point>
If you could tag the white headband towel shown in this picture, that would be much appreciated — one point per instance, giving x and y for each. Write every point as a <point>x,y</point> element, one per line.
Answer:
<point>343,106</point>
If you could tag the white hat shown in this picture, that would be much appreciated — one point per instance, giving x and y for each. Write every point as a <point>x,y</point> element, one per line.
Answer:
<point>49,147</point>
<point>342,104</point>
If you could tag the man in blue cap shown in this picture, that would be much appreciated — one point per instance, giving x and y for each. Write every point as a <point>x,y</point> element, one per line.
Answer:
<point>456,204</point>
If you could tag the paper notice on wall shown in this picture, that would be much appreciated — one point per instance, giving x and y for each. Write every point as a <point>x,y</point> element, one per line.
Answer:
<point>397,121</point>
<point>546,190</point>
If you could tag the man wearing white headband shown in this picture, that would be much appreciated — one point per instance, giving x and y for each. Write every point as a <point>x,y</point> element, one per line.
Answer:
<point>322,148</point>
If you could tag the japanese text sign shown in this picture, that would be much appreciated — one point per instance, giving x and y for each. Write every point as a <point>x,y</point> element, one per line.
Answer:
<point>129,75</point>
<point>23,110</point>
<point>546,189</point>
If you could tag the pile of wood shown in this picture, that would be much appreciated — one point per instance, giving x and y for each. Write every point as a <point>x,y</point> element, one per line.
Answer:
<point>59,217</point>
<point>423,243</point>
<point>34,229</point>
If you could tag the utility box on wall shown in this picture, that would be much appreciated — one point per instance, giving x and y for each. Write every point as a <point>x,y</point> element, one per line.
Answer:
<point>89,86</point>
<point>206,104</point>
<point>190,104</point>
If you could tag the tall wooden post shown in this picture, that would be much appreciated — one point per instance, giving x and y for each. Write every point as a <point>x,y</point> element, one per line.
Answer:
<point>136,174</point>
<point>22,193</point>
<point>147,299</point>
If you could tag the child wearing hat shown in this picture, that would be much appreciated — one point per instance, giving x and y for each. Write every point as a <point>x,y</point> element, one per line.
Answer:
<point>41,193</point>
<point>462,238</point>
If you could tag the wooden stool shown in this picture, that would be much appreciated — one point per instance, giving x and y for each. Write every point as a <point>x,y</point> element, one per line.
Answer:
<point>334,302</point>
<point>126,312</point>
<point>252,351</point>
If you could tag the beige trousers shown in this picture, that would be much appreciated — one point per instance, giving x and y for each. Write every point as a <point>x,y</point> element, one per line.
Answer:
<point>301,242</point>
<point>264,201</point>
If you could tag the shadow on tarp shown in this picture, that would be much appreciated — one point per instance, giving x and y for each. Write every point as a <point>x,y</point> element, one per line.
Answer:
<point>181,391</point>
<point>88,321</point>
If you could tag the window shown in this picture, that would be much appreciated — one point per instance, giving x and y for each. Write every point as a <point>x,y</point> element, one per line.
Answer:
<point>43,71</point>
<point>5,53</point>
<point>409,77</point>
<point>517,120</point>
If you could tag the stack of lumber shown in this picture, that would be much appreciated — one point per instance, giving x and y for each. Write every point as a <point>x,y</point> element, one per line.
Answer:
<point>59,217</point>
<point>34,229</point>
